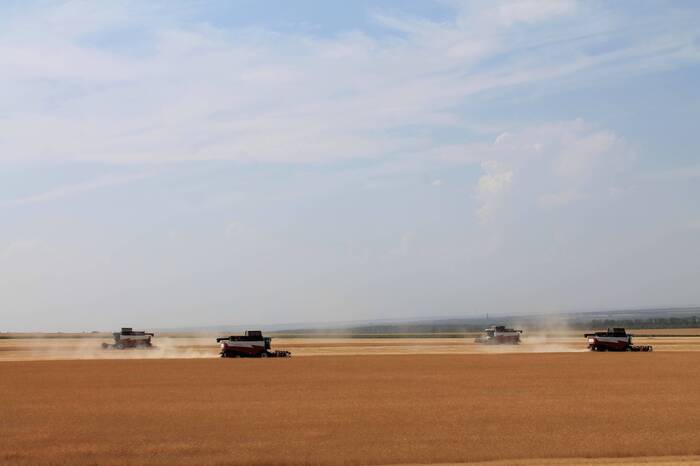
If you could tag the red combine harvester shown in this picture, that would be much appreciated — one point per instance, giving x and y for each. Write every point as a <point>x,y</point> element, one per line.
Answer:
<point>499,335</point>
<point>615,339</point>
<point>130,338</point>
<point>251,345</point>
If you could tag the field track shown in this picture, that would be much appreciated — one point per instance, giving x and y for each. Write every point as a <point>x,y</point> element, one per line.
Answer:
<point>377,409</point>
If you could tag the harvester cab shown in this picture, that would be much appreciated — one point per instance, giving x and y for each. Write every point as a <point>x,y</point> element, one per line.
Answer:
<point>614,339</point>
<point>130,338</point>
<point>252,344</point>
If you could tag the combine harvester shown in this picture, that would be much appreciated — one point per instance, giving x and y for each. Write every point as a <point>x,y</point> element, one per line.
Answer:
<point>615,339</point>
<point>129,338</point>
<point>499,335</point>
<point>251,345</point>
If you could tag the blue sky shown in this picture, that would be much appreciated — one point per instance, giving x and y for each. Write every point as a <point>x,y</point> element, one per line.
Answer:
<point>195,163</point>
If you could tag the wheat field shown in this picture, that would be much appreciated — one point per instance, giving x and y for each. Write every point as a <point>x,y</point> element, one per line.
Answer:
<point>375,409</point>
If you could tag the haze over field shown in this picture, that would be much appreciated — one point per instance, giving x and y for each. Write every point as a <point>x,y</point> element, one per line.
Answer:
<point>183,164</point>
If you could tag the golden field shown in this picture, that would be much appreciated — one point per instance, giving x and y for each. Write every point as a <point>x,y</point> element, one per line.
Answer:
<point>529,408</point>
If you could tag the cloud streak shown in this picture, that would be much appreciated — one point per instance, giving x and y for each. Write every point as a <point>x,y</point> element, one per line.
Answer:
<point>69,191</point>
<point>191,91</point>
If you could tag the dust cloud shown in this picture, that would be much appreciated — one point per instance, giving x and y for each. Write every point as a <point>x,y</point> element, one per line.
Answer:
<point>91,348</point>
<point>547,335</point>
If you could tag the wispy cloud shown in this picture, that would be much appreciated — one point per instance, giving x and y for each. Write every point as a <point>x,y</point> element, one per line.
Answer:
<point>553,163</point>
<point>187,90</point>
<point>68,191</point>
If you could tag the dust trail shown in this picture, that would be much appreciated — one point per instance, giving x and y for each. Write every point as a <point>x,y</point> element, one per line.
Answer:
<point>91,348</point>
<point>550,344</point>
<point>551,334</point>
<point>536,344</point>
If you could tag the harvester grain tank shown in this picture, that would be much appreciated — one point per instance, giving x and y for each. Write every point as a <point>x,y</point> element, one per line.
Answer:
<point>499,335</point>
<point>130,338</point>
<point>614,339</point>
<point>250,345</point>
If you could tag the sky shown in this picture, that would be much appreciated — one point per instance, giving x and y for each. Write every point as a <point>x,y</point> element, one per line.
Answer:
<point>168,164</point>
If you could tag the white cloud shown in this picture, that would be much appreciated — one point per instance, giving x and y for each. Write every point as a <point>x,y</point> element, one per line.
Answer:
<point>556,163</point>
<point>491,185</point>
<point>187,91</point>
<point>580,152</point>
<point>501,138</point>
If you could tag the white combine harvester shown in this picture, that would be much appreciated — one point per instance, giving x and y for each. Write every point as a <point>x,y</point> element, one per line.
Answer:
<point>499,335</point>
<point>615,339</point>
<point>251,345</point>
<point>130,338</point>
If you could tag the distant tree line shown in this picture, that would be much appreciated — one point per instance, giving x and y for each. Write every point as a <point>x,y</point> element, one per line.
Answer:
<point>651,322</point>
<point>458,329</point>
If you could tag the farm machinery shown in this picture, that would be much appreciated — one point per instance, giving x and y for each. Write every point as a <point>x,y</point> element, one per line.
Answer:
<point>250,345</point>
<point>499,335</point>
<point>129,338</point>
<point>614,339</point>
